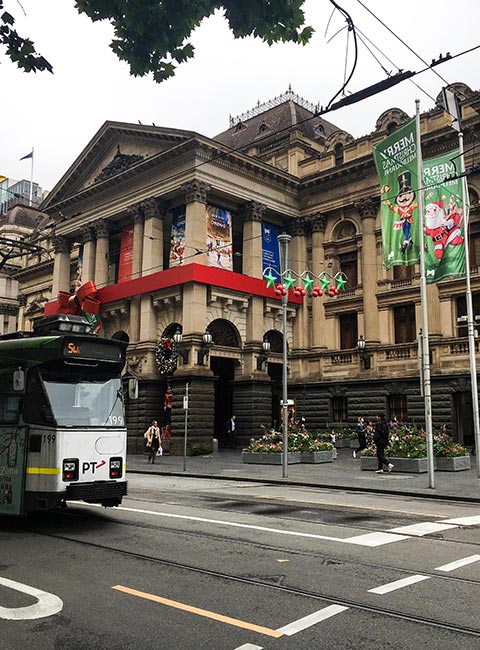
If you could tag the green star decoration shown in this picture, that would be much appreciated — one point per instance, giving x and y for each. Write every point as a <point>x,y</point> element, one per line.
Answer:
<point>325,283</point>
<point>270,278</point>
<point>289,281</point>
<point>341,282</point>
<point>308,282</point>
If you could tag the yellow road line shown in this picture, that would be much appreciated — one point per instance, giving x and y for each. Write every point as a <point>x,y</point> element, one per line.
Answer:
<point>201,612</point>
<point>43,470</point>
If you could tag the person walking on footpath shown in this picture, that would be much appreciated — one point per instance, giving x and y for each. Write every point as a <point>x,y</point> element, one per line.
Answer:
<point>361,431</point>
<point>152,435</point>
<point>232,432</point>
<point>381,441</point>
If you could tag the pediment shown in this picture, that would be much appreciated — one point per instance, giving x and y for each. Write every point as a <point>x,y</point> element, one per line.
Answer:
<point>116,151</point>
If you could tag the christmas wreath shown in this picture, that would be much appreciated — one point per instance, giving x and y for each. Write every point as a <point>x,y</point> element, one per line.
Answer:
<point>166,355</point>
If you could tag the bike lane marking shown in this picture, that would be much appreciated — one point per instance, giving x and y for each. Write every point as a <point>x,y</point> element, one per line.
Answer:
<point>47,605</point>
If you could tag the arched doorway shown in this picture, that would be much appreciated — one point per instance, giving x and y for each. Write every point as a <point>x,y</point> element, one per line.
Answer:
<point>224,336</point>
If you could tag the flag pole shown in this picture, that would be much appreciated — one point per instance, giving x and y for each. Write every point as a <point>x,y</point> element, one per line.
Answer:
<point>425,350</point>
<point>470,315</point>
<point>31,181</point>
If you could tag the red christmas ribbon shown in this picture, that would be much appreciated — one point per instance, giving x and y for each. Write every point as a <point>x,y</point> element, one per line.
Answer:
<point>84,300</point>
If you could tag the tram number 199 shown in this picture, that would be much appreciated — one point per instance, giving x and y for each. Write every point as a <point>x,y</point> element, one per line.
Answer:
<point>49,438</point>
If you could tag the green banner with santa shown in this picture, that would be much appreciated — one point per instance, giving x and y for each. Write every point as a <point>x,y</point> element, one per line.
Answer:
<point>445,213</point>
<point>396,163</point>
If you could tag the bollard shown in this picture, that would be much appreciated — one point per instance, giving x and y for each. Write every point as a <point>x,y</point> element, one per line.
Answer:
<point>215,446</point>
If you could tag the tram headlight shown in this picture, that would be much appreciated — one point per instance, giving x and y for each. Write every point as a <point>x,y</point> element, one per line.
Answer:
<point>70,469</point>
<point>116,467</point>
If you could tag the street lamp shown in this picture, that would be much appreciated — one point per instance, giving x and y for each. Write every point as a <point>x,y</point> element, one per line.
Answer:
<point>283,243</point>
<point>263,358</point>
<point>205,349</point>
<point>178,338</point>
<point>364,357</point>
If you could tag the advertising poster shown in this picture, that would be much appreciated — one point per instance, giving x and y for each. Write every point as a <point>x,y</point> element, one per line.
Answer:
<point>445,214</point>
<point>270,251</point>
<point>177,240</point>
<point>396,163</point>
<point>79,281</point>
<point>125,262</point>
<point>12,469</point>
<point>219,238</point>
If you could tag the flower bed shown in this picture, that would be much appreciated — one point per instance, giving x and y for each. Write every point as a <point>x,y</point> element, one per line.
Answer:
<point>317,456</point>
<point>271,458</point>
<point>408,465</point>
<point>454,464</point>
<point>269,449</point>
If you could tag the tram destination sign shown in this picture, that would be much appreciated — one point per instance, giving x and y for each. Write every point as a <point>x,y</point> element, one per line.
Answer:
<point>99,350</point>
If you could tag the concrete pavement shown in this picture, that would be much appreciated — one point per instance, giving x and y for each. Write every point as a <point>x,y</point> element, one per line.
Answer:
<point>344,473</point>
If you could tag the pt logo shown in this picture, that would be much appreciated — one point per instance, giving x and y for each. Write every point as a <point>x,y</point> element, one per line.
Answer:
<point>91,467</point>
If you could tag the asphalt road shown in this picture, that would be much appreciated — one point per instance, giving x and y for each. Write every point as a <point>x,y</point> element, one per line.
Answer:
<point>193,564</point>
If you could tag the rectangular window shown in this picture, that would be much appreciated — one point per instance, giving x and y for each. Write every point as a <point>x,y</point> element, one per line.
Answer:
<point>339,409</point>
<point>397,408</point>
<point>349,265</point>
<point>403,272</point>
<point>404,320</point>
<point>461,325</point>
<point>348,331</point>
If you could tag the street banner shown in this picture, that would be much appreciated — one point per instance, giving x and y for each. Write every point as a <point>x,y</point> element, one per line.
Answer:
<point>446,211</point>
<point>396,163</point>
<point>270,251</point>
<point>79,280</point>
<point>219,238</point>
<point>125,262</point>
<point>12,469</point>
<point>177,239</point>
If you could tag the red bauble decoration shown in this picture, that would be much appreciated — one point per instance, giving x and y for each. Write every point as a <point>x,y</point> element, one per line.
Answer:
<point>336,291</point>
<point>303,292</point>
<point>284,291</point>
<point>297,291</point>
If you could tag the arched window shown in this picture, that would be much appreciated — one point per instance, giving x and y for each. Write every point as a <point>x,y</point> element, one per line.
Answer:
<point>224,333</point>
<point>339,157</point>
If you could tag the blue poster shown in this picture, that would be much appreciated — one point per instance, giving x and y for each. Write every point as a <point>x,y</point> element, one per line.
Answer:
<point>270,252</point>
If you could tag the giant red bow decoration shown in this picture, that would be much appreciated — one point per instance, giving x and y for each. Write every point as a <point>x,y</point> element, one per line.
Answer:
<point>84,300</point>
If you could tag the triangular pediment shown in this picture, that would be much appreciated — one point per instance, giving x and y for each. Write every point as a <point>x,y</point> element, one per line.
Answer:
<point>116,150</point>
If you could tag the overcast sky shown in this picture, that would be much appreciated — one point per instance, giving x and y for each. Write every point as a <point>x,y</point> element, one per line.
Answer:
<point>58,114</point>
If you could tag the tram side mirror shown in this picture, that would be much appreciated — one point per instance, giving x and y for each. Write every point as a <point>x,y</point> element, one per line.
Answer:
<point>19,380</point>
<point>133,388</point>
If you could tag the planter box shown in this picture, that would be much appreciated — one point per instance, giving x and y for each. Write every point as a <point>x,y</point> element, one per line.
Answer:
<point>270,459</point>
<point>342,442</point>
<point>455,464</point>
<point>317,456</point>
<point>354,444</point>
<point>408,465</point>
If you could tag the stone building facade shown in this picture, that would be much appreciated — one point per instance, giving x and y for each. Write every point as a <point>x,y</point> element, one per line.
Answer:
<point>283,166</point>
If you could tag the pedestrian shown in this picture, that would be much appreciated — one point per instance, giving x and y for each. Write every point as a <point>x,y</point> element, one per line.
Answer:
<point>333,440</point>
<point>154,445</point>
<point>231,432</point>
<point>381,442</point>
<point>361,430</point>
<point>369,433</point>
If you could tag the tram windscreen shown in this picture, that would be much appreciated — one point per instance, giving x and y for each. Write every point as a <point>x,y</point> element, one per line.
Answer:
<point>81,401</point>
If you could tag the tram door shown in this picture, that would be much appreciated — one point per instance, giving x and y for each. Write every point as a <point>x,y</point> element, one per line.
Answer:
<point>224,369</point>
<point>464,418</point>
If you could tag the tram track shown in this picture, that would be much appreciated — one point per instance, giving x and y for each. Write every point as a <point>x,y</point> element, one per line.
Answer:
<point>284,589</point>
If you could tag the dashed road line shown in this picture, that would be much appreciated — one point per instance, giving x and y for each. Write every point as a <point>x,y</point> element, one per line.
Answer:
<point>311,619</point>
<point>398,584</point>
<point>459,563</point>
<point>463,521</point>
<point>422,528</point>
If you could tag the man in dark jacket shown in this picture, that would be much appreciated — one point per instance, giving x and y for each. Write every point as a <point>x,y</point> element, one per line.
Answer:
<point>381,441</point>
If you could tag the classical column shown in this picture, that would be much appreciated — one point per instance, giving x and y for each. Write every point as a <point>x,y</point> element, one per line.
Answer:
<point>61,265</point>
<point>195,221</point>
<point>152,262</point>
<point>298,263</point>
<point>136,213</point>
<point>319,333</point>
<point>252,213</point>
<point>88,262</point>
<point>101,253</point>
<point>368,212</point>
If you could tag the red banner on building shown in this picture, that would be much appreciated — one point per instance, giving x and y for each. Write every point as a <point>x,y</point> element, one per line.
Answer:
<point>125,262</point>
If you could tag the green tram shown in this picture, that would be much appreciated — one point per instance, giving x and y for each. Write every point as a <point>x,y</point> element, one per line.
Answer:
<point>62,420</point>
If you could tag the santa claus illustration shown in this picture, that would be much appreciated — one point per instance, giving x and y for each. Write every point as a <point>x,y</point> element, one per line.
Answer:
<point>442,225</point>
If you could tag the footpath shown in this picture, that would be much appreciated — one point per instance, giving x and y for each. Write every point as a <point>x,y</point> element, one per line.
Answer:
<point>344,473</point>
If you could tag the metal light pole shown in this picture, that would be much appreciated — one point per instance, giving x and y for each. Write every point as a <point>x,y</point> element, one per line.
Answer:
<point>283,242</point>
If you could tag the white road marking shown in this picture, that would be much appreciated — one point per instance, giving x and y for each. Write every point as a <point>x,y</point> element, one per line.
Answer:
<point>47,605</point>
<point>311,619</point>
<point>398,584</point>
<point>369,539</point>
<point>422,528</point>
<point>463,521</point>
<point>459,563</point>
<point>249,646</point>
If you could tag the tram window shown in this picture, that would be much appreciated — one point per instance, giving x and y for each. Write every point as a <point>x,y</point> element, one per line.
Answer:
<point>37,409</point>
<point>9,400</point>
